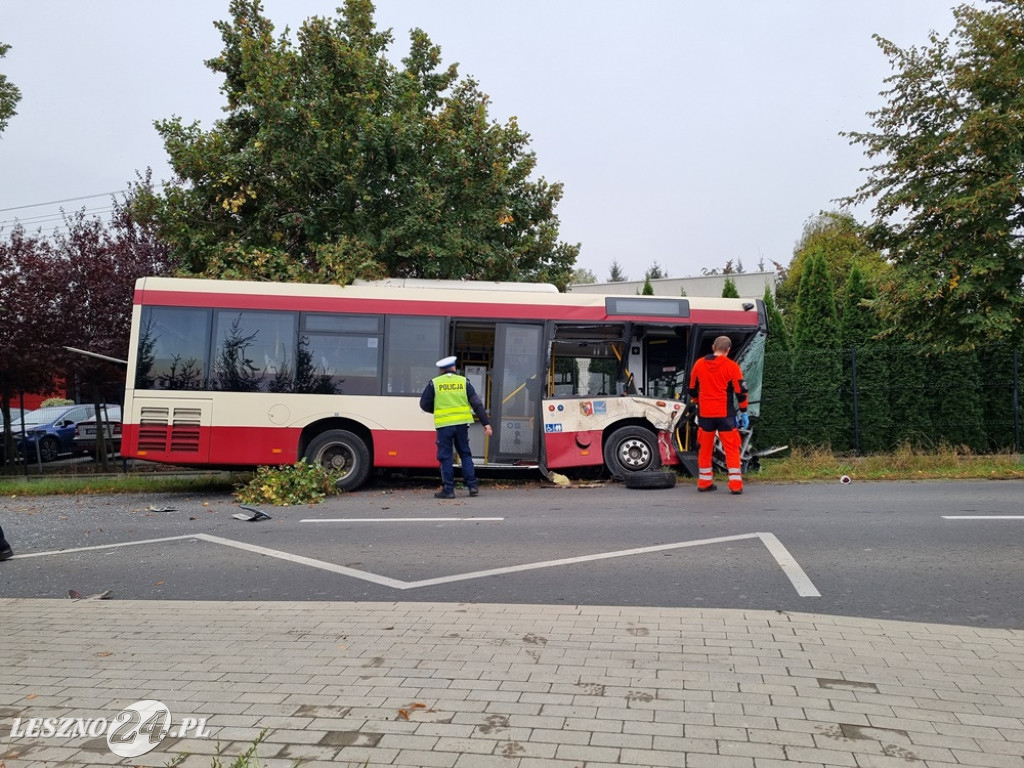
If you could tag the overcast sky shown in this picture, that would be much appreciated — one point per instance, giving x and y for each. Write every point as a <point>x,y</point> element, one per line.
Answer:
<point>686,132</point>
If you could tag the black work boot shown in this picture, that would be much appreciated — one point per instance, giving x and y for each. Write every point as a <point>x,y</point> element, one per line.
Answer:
<point>6,553</point>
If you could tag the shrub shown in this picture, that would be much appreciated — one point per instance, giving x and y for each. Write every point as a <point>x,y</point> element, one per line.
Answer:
<point>300,483</point>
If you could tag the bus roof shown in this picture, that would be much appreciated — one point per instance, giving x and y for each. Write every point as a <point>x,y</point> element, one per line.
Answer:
<point>459,285</point>
<point>473,299</point>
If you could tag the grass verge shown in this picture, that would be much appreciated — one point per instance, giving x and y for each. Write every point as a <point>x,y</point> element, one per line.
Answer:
<point>906,463</point>
<point>83,484</point>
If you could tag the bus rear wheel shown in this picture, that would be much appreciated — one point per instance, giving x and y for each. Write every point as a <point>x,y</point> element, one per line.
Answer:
<point>631,449</point>
<point>342,453</point>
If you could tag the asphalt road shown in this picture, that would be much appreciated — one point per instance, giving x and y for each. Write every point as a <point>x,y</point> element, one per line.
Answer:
<point>884,550</point>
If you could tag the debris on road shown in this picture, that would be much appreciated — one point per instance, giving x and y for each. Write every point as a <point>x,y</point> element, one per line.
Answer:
<point>74,594</point>
<point>254,515</point>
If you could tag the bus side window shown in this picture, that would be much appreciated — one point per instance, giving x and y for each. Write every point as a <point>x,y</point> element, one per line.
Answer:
<point>254,350</point>
<point>412,347</point>
<point>584,360</point>
<point>173,348</point>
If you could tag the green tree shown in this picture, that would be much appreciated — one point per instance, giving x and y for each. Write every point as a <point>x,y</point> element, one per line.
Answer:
<point>9,94</point>
<point>956,410</point>
<point>655,272</point>
<point>648,289</point>
<point>775,425</point>
<point>615,274</point>
<point>910,398</point>
<point>729,290</point>
<point>842,241</point>
<point>582,276</point>
<point>817,319</point>
<point>999,364</point>
<point>334,163</point>
<point>818,410</point>
<point>946,183</point>
<point>866,365</point>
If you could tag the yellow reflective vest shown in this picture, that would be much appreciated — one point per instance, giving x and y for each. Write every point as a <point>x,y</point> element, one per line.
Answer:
<point>451,402</point>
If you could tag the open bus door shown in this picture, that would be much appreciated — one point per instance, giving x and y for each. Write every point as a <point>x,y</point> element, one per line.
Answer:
<point>748,352</point>
<point>516,393</point>
<point>505,364</point>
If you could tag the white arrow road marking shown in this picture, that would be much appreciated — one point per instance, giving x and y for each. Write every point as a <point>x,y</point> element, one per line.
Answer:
<point>796,575</point>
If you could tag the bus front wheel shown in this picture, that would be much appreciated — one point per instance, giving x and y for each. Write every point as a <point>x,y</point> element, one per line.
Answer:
<point>342,453</point>
<point>631,449</point>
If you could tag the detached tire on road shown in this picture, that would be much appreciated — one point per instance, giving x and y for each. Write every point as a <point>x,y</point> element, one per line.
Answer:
<point>658,478</point>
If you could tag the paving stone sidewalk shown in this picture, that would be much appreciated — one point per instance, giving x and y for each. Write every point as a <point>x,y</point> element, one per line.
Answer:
<point>506,686</point>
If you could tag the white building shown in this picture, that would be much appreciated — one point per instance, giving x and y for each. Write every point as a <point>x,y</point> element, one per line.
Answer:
<point>749,285</point>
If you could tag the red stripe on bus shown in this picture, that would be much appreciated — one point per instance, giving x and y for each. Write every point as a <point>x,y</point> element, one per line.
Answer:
<point>564,449</point>
<point>582,449</point>
<point>255,446</point>
<point>489,310</point>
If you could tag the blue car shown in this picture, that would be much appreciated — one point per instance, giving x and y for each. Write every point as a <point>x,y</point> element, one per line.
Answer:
<point>50,431</point>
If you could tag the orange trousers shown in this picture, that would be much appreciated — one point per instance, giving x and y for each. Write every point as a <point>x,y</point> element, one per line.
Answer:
<point>706,444</point>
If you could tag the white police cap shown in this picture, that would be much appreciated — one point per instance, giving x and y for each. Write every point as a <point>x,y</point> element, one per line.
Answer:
<point>446,362</point>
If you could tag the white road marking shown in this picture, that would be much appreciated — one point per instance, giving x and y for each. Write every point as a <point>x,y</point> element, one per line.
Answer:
<point>803,585</point>
<point>796,575</point>
<point>322,565</point>
<point>102,546</point>
<point>398,519</point>
<point>574,560</point>
<point>983,517</point>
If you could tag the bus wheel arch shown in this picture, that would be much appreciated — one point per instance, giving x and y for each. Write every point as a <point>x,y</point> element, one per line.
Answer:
<point>341,446</point>
<point>630,447</point>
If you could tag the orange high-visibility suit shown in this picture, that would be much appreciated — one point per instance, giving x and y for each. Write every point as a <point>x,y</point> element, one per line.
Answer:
<point>716,383</point>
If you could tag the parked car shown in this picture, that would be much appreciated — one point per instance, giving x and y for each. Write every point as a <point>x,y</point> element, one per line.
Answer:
<point>16,414</point>
<point>16,420</point>
<point>87,432</point>
<point>50,431</point>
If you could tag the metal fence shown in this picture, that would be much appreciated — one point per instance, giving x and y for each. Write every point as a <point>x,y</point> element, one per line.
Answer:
<point>874,398</point>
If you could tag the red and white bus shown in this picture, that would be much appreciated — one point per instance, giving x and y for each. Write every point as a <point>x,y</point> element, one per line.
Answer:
<point>234,374</point>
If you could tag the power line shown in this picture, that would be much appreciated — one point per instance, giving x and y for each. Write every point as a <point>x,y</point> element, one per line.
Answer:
<point>66,200</point>
<point>45,218</point>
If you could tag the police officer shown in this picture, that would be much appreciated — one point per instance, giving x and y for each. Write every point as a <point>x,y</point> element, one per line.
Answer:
<point>453,401</point>
<point>715,383</point>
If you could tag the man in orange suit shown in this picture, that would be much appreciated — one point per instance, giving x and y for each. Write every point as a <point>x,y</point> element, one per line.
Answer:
<point>716,385</point>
